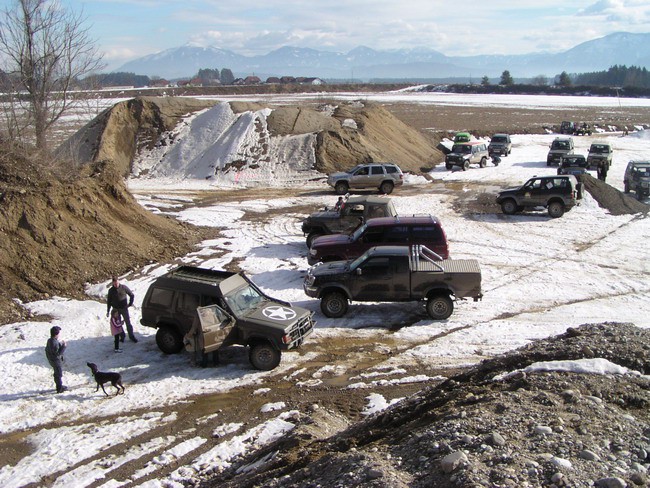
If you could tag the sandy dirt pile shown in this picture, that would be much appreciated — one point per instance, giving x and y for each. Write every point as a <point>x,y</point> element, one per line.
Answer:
<point>119,132</point>
<point>58,235</point>
<point>347,134</point>
<point>529,429</point>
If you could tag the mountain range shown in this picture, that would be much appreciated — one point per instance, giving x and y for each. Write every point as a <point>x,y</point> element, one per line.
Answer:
<point>366,64</point>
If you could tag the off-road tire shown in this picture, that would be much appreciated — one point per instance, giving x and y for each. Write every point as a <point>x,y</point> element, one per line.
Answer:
<point>341,187</point>
<point>334,304</point>
<point>440,307</point>
<point>386,188</point>
<point>483,163</point>
<point>509,206</point>
<point>169,340</point>
<point>264,356</point>
<point>465,165</point>
<point>311,236</point>
<point>626,187</point>
<point>555,209</point>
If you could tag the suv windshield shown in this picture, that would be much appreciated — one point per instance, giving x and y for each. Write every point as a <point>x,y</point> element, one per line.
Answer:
<point>462,148</point>
<point>642,170</point>
<point>560,145</point>
<point>599,148</point>
<point>243,300</point>
<point>499,139</point>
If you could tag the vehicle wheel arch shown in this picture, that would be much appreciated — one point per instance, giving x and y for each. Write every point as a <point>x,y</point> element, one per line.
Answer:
<point>263,354</point>
<point>334,288</point>
<point>386,187</point>
<point>440,303</point>
<point>169,338</point>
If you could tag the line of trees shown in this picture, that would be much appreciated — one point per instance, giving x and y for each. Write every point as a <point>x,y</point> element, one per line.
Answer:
<point>622,76</point>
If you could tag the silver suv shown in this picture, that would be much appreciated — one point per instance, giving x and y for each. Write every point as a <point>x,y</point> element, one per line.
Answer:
<point>383,176</point>
<point>561,146</point>
<point>465,153</point>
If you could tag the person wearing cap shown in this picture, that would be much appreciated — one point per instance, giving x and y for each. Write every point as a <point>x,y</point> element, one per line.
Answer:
<point>117,298</point>
<point>54,352</point>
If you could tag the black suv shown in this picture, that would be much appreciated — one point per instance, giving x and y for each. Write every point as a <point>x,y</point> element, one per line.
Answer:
<point>353,212</point>
<point>383,176</point>
<point>555,193</point>
<point>250,317</point>
<point>573,164</point>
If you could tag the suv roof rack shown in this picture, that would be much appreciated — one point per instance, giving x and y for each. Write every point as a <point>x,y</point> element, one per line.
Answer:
<point>192,273</point>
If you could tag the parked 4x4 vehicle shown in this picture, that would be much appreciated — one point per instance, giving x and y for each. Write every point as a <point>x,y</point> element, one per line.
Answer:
<point>500,145</point>
<point>354,212</point>
<point>466,153</point>
<point>462,137</point>
<point>251,318</point>
<point>557,194</point>
<point>637,178</point>
<point>560,146</point>
<point>383,176</point>
<point>417,229</point>
<point>395,274</point>
<point>573,164</point>
<point>600,152</point>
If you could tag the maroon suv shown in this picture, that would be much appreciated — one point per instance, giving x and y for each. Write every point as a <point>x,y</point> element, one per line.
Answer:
<point>418,229</point>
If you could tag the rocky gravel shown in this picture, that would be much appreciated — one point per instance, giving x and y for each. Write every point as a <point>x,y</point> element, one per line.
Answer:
<point>495,425</point>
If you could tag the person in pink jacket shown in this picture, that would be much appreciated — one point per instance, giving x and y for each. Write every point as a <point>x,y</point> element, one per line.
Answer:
<point>116,329</point>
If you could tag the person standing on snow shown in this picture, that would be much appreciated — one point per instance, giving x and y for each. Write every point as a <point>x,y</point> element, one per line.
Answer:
<point>54,350</point>
<point>117,298</point>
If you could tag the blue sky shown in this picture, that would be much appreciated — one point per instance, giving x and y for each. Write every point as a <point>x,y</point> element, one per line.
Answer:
<point>128,29</point>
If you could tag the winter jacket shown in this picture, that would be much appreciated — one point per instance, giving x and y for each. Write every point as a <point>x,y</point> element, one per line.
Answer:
<point>54,350</point>
<point>117,297</point>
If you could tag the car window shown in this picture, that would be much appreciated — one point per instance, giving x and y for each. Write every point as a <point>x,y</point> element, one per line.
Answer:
<point>534,184</point>
<point>187,302</point>
<point>399,264</point>
<point>429,233</point>
<point>391,169</point>
<point>373,235</point>
<point>161,297</point>
<point>361,172</point>
<point>376,266</point>
<point>355,210</point>
<point>376,170</point>
<point>376,211</point>
<point>397,234</point>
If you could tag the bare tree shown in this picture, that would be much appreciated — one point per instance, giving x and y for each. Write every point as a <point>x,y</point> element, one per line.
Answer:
<point>44,51</point>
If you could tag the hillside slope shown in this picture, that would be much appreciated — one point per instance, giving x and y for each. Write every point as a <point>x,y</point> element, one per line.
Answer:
<point>59,235</point>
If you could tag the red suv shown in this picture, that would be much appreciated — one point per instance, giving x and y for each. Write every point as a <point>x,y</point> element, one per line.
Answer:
<point>418,229</point>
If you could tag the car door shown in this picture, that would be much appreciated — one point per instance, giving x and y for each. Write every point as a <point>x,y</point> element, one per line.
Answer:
<point>373,280</point>
<point>361,178</point>
<point>376,176</point>
<point>186,305</point>
<point>532,193</point>
<point>216,324</point>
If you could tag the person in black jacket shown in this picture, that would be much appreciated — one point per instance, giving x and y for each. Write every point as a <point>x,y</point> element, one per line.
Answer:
<point>117,299</point>
<point>54,353</point>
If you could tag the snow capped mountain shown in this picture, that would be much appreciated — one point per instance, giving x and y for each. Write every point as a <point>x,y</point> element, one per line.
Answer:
<point>365,63</point>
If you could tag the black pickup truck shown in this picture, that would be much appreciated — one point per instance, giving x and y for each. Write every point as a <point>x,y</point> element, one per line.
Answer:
<point>394,274</point>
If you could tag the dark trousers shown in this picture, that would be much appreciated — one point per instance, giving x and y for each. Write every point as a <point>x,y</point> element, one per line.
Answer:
<point>124,312</point>
<point>57,366</point>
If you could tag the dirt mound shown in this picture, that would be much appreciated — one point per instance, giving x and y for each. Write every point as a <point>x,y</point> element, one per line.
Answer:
<point>528,428</point>
<point>375,135</point>
<point>59,235</point>
<point>118,133</point>
<point>617,202</point>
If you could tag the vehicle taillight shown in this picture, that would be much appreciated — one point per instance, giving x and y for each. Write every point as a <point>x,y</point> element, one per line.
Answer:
<point>286,339</point>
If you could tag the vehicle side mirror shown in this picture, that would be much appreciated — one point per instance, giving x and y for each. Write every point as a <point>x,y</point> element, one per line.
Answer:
<point>358,271</point>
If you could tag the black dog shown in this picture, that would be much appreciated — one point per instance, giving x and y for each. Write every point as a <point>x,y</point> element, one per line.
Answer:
<point>101,378</point>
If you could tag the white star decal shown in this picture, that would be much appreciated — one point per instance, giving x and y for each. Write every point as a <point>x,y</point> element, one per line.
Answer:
<point>278,312</point>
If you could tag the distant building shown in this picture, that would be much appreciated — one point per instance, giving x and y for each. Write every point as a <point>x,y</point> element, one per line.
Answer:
<point>287,79</point>
<point>273,79</point>
<point>309,81</point>
<point>252,80</point>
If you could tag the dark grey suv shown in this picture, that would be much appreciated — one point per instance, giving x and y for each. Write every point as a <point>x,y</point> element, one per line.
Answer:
<point>557,194</point>
<point>383,176</point>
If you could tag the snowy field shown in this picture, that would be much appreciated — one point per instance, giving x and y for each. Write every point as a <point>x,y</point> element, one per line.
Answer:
<point>540,276</point>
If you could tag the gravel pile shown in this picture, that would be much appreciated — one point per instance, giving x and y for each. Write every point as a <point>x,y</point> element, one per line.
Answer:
<point>486,427</point>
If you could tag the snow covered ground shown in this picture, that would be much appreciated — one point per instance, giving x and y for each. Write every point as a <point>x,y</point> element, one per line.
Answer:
<point>540,276</point>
